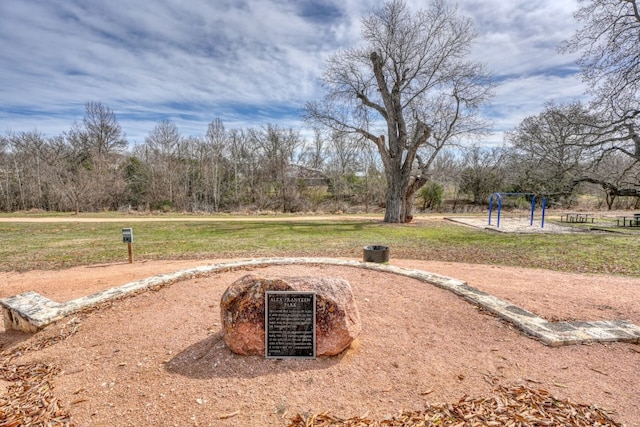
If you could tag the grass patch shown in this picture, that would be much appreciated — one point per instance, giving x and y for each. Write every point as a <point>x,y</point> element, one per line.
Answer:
<point>39,245</point>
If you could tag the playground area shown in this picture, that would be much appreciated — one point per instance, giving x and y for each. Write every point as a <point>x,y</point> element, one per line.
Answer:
<point>562,222</point>
<point>514,213</point>
<point>518,223</point>
<point>526,213</point>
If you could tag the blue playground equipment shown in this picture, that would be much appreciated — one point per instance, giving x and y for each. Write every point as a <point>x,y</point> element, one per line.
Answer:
<point>498,197</point>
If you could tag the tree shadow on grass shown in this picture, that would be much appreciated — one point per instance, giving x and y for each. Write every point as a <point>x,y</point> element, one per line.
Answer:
<point>210,358</point>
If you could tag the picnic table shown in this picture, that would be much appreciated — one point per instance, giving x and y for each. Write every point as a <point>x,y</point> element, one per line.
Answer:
<point>629,221</point>
<point>577,217</point>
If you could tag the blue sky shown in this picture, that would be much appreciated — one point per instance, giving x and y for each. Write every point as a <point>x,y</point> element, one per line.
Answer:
<point>247,62</point>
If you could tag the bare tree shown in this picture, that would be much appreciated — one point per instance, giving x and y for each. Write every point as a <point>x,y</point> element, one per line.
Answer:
<point>342,164</point>
<point>162,154</point>
<point>98,144</point>
<point>244,164</point>
<point>20,167</point>
<point>6,201</point>
<point>73,179</point>
<point>412,78</point>
<point>137,179</point>
<point>549,150</point>
<point>372,188</point>
<point>313,154</point>
<point>102,130</point>
<point>277,147</point>
<point>483,173</point>
<point>610,64</point>
<point>99,135</point>
<point>215,143</point>
<point>608,43</point>
<point>617,175</point>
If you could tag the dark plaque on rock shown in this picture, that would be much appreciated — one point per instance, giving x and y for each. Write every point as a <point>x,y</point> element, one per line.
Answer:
<point>290,325</point>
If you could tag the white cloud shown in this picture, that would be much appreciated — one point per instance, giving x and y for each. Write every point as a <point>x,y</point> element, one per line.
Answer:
<point>247,62</point>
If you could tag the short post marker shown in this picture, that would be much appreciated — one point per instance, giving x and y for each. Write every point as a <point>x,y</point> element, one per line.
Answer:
<point>127,237</point>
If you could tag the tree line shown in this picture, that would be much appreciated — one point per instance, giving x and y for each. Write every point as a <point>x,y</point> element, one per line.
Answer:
<point>92,167</point>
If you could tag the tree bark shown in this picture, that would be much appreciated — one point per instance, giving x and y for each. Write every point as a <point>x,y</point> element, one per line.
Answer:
<point>398,199</point>
<point>396,203</point>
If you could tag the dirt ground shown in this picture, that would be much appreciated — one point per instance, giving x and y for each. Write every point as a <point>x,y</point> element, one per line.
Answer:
<point>159,359</point>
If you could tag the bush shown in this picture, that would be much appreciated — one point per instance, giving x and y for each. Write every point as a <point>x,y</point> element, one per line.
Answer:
<point>164,206</point>
<point>431,196</point>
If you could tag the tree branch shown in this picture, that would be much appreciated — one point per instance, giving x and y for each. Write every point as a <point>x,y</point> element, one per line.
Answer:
<point>367,102</point>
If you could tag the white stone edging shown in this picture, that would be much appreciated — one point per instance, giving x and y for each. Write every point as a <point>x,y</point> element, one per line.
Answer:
<point>31,311</point>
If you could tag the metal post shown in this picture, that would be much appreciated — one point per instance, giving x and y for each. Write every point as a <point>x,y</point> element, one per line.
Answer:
<point>533,209</point>
<point>490,207</point>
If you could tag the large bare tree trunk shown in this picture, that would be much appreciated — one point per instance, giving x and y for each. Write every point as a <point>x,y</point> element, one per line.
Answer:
<point>395,210</point>
<point>399,200</point>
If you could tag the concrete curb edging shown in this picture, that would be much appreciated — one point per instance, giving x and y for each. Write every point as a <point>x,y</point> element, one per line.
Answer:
<point>30,311</point>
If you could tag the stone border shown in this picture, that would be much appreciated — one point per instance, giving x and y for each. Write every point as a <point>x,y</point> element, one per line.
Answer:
<point>30,311</point>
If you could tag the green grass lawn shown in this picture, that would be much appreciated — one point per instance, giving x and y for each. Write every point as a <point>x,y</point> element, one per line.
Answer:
<point>27,246</point>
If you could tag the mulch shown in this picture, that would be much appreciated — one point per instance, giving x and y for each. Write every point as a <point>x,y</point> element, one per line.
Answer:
<point>30,400</point>
<point>508,406</point>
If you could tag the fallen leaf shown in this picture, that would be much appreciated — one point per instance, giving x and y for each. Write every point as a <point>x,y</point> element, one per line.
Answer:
<point>225,416</point>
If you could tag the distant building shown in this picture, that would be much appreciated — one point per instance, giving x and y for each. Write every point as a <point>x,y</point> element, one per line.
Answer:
<point>309,176</point>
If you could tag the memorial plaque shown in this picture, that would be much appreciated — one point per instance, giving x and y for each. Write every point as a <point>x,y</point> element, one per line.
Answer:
<point>290,324</point>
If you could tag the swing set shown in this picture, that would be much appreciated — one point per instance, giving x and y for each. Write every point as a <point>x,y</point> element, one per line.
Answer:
<point>499,202</point>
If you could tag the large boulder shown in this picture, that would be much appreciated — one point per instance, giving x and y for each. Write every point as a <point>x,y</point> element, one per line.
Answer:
<point>243,317</point>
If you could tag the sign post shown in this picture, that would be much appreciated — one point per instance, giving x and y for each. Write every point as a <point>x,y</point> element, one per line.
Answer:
<point>127,237</point>
<point>290,325</point>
